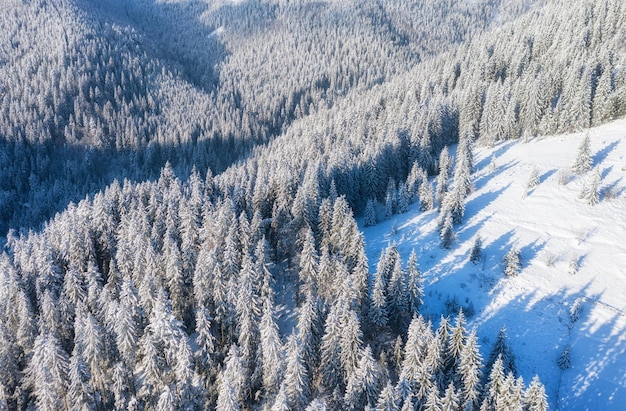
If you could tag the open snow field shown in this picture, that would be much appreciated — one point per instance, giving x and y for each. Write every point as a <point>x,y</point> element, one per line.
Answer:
<point>551,227</point>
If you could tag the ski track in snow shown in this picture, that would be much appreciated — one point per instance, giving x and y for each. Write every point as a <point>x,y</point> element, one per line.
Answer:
<point>550,226</point>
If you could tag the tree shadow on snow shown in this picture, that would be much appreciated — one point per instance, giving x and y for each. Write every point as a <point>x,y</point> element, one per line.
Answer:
<point>501,149</point>
<point>480,182</point>
<point>601,155</point>
<point>473,206</point>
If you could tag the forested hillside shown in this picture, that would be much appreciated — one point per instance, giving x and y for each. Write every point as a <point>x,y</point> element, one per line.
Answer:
<point>243,283</point>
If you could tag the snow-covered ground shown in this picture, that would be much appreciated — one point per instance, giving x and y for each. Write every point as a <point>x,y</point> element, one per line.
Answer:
<point>550,226</point>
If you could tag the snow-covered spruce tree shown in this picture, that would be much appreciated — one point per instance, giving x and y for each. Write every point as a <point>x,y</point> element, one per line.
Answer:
<point>447,231</point>
<point>502,350</point>
<point>231,382</point>
<point>296,384</point>
<point>389,201</point>
<point>565,359</point>
<point>403,199</point>
<point>445,164</point>
<point>387,399</point>
<point>454,204</point>
<point>533,179</point>
<point>575,310</point>
<point>308,263</point>
<point>592,192</point>
<point>364,384</point>
<point>330,370</point>
<point>415,284</point>
<point>369,215</point>
<point>583,162</point>
<point>535,398</point>
<point>397,295</point>
<point>47,374</point>
<point>426,196</point>
<point>450,401</point>
<point>470,371</point>
<point>573,266</point>
<point>476,253</point>
<point>512,262</point>
<point>271,351</point>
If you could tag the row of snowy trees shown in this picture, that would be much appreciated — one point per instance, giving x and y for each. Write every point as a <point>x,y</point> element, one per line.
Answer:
<point>166,295</point>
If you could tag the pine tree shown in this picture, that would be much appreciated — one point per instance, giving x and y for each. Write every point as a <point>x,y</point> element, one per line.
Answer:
<point>363,385</point>
<point>476,253</point>
<point>535,396</point>
<point>271,350</point>
<point>583,162</point>
<point>495,389</point>
<point>47,373</point>
<point>426,196</point>
<point>387,400</point>
<point>389,206</point>
<point>398,302</point>
<point>378,313</point>
<point>330,351</point>
<point>350,342</point>
<point>369,215</point>
<point>403,199</point>
<point>415,286</point>
<point>433,402</point>
<point>512,263</point>
<point>296,381</point>
<point>456,341</point>
<point>469,371</point>
<point>450,401</point>
<point>565,359</point>
<point>533,179</point>
<point>308,263</point>
<point>205,341</point>
<point>231,382</point>
<point>502,350</point>
<point>447,231</point>
<point>592,193</point>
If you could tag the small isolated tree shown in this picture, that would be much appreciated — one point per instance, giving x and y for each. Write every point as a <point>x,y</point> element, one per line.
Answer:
<point>574,266</point>
<point>533,179</point>
<point>476,253</point>
<point>512,262</point>
<point>563,176</point>
<point>592,189</point>
<point>575,310</point>
<point>583,162</point>
<point>565,360</point>
<point>369,215</point>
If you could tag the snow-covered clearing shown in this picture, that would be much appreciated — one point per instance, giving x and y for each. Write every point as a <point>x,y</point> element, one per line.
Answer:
<point>551,227</point>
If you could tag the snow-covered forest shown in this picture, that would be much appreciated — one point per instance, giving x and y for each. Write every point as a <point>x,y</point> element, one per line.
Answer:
<point>180,181</point>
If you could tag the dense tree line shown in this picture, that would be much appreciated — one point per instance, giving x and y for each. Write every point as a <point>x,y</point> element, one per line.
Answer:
<point>166,295</point>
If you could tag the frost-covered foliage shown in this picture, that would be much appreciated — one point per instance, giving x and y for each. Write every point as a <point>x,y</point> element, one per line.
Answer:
<point>283,118</point>
<point>164,295</point>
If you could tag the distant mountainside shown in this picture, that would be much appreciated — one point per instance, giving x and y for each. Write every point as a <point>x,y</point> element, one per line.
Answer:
<point>180,178</point>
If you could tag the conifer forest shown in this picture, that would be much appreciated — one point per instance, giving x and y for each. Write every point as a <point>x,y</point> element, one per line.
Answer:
<point>186,188</point>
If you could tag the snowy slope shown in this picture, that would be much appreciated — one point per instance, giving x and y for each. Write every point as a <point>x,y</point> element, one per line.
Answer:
<point>551,226</point>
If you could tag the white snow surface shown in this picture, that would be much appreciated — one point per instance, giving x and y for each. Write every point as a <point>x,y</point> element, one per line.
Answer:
<point>550,226</point>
